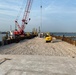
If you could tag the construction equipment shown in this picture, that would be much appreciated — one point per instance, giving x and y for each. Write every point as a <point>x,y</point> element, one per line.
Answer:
<point>34,32</point>
<point>25,19</point>
<point>48,38</point>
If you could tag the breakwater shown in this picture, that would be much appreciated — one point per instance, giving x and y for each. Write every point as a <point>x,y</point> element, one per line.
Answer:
<point>70,40</point>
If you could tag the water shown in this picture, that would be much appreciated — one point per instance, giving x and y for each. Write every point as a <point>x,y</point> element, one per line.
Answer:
<point>66,35</point>
<point>1,35</point>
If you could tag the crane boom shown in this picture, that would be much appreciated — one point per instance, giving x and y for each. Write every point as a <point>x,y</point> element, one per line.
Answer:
<point>25,18</point>
<point>26,13</point>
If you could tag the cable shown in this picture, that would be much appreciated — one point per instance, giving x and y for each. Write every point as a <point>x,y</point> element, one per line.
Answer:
<point>41,15</point>
<point>21,8</point>
<point>20,11</point>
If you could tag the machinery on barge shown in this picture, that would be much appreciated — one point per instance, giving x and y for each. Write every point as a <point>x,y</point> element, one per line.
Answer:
<point>20,31</point>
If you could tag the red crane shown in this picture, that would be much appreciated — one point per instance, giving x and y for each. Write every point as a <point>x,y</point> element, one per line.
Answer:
<point>25,19</point>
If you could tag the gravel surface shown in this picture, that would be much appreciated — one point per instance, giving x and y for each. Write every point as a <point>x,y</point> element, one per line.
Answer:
<point>38,46</point>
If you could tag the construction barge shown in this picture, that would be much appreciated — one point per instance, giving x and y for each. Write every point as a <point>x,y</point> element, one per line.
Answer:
<point>8,40</point>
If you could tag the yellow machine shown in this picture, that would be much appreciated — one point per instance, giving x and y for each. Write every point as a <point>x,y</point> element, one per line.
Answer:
<point>48,38</point>
<point>28,34</point>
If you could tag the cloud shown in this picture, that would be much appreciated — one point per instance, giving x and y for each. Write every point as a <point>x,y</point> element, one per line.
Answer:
<point>53,7</point>
<point>11,5</point>
<point>10,8</point>
<point>54,13</point>
<point>59,9</point>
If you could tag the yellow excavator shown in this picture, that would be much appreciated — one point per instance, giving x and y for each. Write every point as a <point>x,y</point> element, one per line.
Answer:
<point>48,37</point>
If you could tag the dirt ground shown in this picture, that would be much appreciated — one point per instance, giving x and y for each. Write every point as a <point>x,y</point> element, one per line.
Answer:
<point>38,46</point>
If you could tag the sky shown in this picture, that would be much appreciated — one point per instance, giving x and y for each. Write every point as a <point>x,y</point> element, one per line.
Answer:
<point>56,16</point>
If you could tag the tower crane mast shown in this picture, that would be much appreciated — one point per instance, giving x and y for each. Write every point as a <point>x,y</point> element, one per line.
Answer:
<point>25,19</point>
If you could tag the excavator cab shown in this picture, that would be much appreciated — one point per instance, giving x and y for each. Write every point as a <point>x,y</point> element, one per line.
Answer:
<point>48,38</point>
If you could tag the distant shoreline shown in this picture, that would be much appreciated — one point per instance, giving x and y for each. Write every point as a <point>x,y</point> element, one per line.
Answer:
<point>3,32</point>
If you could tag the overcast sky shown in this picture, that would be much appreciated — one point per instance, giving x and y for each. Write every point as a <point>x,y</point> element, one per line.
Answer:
<point>57,15</point>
